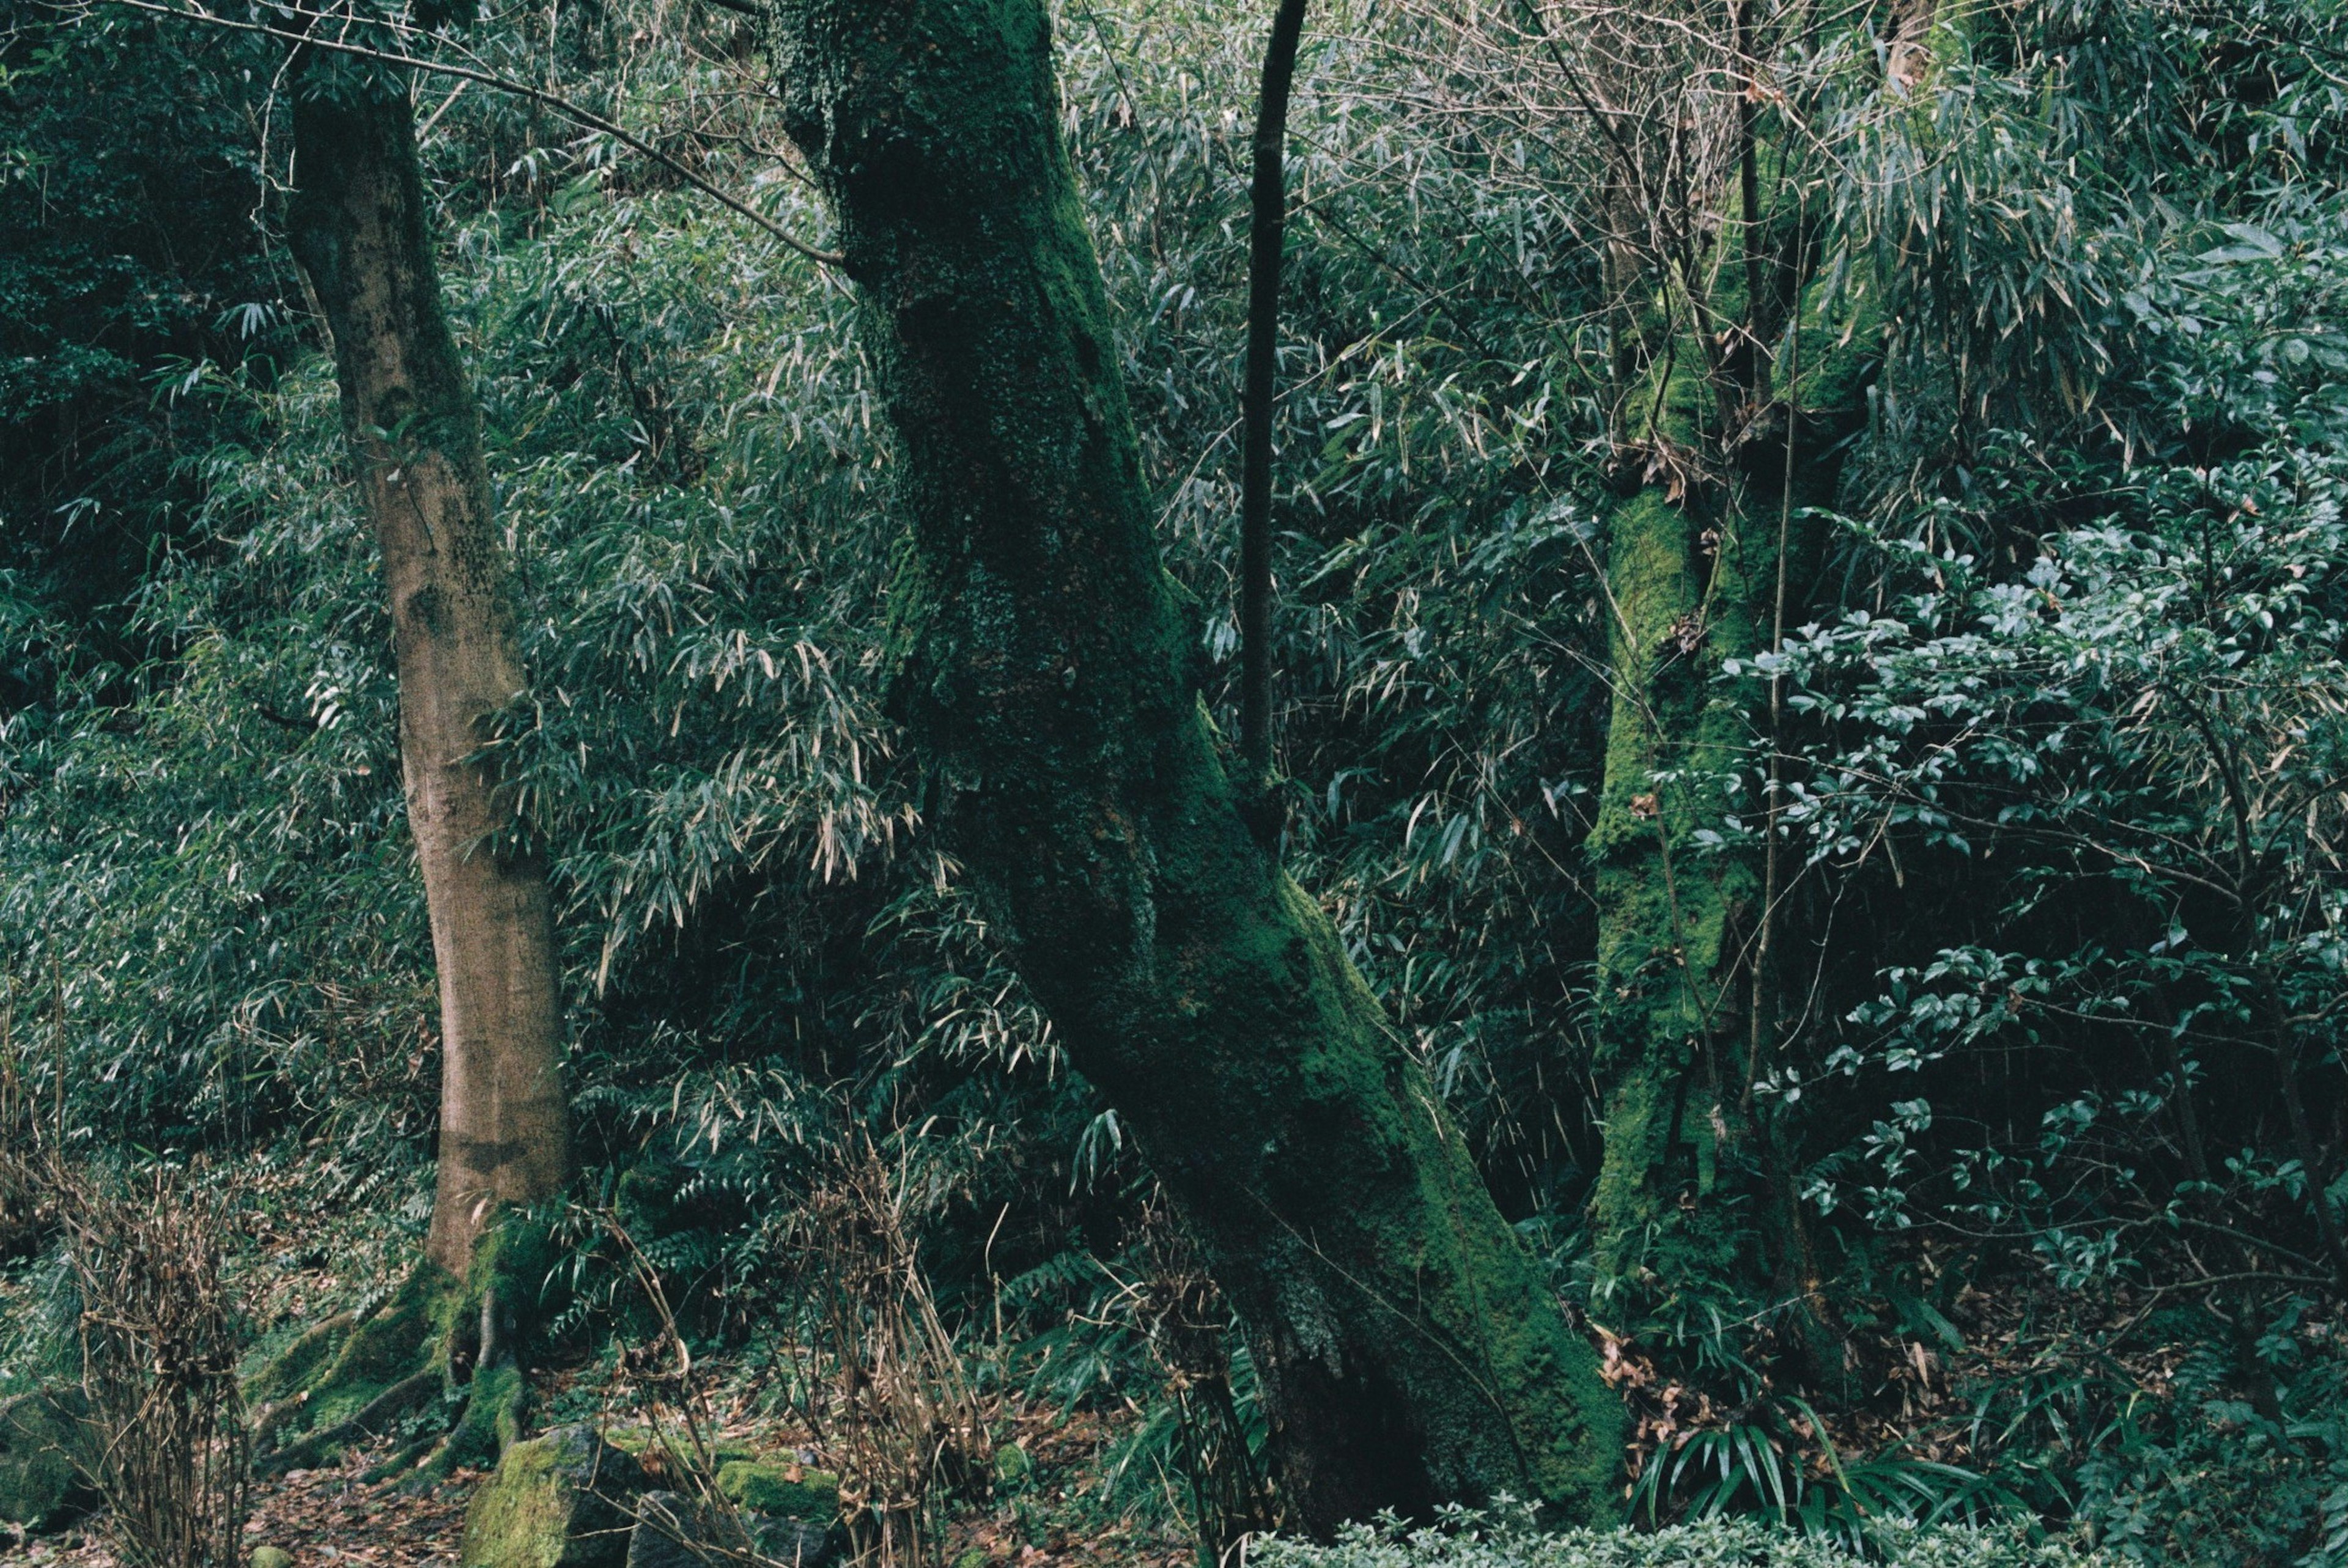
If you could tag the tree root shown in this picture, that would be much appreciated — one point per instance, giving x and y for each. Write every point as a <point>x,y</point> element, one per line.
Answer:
<point>402,1462</point>
<point>397,1401</point>
<point>352,1379</point>
<point>342,1377</point>
<point>490,1423</point>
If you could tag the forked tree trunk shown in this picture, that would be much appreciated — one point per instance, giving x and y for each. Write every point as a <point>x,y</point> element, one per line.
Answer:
<point>1410,1346</point>
<point>357,228</point>
<point>1703,567</point>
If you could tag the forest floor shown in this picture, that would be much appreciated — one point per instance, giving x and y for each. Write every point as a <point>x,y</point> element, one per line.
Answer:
<point>324,1517</point>
<point>329,1518</point>
<point>311,1253</point>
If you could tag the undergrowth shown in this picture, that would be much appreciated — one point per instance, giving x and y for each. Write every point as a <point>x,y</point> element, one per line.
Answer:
<point>1470,1539</point>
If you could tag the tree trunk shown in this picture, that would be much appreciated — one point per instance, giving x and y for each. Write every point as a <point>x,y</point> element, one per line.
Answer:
<point>1703,569</point>
<point>1670,920</point>
<point>1267,225</point>
<point>1410,1347</point>
<point>357,228</point>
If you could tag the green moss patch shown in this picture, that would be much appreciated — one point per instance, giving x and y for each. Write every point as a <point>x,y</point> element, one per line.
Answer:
<point>668,1456</point>
<point>789,1491</point>
<point>338,1369</point>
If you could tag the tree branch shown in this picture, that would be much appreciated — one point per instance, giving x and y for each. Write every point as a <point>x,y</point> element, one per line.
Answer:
<point>560,105</point>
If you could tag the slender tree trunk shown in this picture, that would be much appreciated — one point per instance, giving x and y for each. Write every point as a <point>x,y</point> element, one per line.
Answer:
<point>357,228</point>
<point>1411,1347</point>
<point>1267,226</point>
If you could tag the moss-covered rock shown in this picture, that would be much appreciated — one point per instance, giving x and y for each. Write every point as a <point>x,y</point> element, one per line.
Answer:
<point>783,1489</point>
<point>41,1480</point>
<point>1011,1466</point>
<point>562,1501</point>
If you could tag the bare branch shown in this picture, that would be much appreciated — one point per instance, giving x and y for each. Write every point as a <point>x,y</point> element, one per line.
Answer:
<point>560,105</point>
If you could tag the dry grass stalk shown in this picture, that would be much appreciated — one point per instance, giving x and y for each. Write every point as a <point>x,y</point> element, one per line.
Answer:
<point>1184,1319</point>
<point>883,1384</point>
<point>682,1455</point>
<point>167,1446</point>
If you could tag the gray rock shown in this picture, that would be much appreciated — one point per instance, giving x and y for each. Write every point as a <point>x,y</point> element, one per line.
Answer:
<point>676,1532</point>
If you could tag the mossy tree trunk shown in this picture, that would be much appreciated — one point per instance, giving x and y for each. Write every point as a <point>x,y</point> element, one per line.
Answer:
<point>1672,921</point>
<point>1744,395</point>
<point>1411,1348</point>
<point>1690,575</point>
<point>1704,560</point>
<point>357,224</point>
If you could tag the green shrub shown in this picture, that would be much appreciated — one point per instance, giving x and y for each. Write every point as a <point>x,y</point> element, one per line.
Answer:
<point>1475,1540</point>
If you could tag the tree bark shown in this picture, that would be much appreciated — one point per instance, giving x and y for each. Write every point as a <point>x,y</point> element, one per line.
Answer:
<point>1682,588</point>
<point>357,228</point>
<point>1411,1348</point>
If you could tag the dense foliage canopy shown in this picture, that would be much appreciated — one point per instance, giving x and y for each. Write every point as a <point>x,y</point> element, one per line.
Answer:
<point>1982,789</point>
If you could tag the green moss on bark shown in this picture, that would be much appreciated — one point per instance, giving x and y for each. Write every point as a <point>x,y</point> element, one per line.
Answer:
<point>436,1339</point>
<point>1685,1199</point>
<point>1670,917</point>
<point>1412,1348</point>
<point>331,1377</point>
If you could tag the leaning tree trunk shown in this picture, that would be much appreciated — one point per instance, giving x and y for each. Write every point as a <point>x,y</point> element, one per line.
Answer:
<point>357,228</point>
<point>1411,1348</point>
